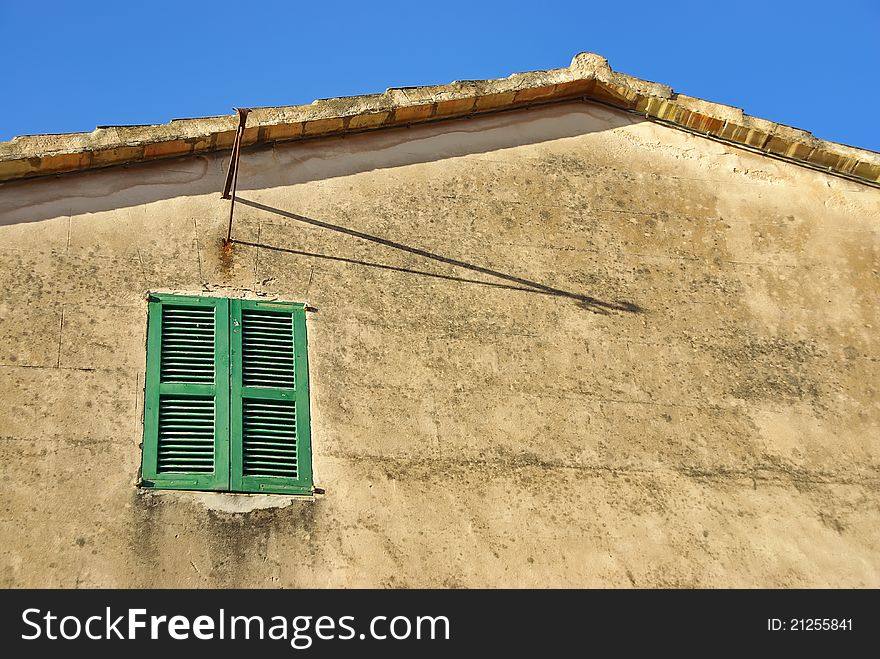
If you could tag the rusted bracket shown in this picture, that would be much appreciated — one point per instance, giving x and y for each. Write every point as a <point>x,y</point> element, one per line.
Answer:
<point>232,172</point>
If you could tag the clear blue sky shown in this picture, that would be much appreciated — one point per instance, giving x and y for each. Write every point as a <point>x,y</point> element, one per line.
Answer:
<point>70,66</point>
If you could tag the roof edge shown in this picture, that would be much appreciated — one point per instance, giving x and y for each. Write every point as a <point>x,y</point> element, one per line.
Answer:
<point>588,77</point>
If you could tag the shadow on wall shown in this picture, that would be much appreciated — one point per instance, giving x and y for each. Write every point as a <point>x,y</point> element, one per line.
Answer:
<point>302,162</point>
<point>516,283</point>
<point>296,163</point>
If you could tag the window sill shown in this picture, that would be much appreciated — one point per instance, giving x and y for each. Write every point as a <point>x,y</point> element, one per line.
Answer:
<point>228,502</point>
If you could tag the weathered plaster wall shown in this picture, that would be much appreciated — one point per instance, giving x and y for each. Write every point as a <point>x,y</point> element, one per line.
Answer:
<point>685,393</point>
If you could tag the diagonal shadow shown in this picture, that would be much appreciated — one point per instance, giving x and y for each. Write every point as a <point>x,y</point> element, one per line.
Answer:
<point>593,304</point>
<point>383,266</point>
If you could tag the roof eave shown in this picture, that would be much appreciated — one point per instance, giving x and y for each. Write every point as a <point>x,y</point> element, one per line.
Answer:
<point>589,77</point>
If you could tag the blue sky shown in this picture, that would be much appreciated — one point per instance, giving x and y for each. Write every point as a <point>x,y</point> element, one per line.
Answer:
<point>70,66</point>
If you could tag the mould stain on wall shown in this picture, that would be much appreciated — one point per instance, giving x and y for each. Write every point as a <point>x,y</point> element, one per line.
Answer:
<point>556,347</point>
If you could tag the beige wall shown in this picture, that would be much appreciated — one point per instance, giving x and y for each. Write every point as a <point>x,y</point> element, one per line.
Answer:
<point>686,393</point>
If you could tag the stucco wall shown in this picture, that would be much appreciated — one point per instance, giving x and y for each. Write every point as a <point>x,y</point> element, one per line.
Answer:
<point>671,378</point>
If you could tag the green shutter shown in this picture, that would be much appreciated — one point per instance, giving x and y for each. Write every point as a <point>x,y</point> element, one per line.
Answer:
<point>186,405</point>
<point>269,402</point>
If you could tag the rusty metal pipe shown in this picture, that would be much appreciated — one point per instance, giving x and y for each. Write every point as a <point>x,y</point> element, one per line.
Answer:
<point>232,171</point>
<point>229,170</point>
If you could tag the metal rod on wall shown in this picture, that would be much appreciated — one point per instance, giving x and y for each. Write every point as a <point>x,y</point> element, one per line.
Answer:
<point>232,171</point>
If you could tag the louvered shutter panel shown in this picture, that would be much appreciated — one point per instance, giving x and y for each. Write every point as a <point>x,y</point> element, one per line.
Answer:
<point>186,409</point>
<point>269,402</point>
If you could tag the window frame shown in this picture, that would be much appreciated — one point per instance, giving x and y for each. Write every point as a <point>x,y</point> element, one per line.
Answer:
<point>229,395</point>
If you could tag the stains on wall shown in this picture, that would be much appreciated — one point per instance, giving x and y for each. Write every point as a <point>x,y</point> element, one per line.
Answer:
<point>556,348</point>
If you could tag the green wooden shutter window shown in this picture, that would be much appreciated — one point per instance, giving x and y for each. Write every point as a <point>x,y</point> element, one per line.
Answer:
<point>186,403</point>
<point>226,397</point>
<point>270,403</point>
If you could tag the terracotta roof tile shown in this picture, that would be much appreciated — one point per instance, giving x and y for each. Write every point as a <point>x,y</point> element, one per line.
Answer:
<point>589,77</point>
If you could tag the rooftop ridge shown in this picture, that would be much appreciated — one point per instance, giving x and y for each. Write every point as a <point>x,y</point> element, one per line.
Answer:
<point>589,77</point>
